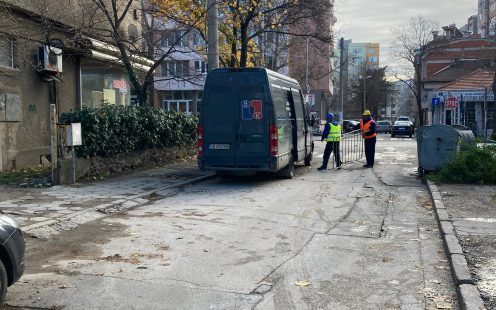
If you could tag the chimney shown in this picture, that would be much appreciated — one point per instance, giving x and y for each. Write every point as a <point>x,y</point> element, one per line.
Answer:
<point>435,35</point>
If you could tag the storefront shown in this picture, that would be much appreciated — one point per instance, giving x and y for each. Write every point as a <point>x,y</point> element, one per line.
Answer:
<point>468,101</point>
<point>103,83</point>
<point>470,108</point>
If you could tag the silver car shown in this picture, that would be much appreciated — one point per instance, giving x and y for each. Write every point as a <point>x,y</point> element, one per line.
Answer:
<point>384,126</point>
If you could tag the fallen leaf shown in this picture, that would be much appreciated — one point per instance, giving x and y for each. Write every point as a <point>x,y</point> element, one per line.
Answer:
<point>302,283</point>
<point>443,305</point>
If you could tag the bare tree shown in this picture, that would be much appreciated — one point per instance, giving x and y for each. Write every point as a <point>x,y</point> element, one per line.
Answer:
<point>410,42</point>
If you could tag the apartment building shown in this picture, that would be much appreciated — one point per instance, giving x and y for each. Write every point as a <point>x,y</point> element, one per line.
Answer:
<point>180,79</point>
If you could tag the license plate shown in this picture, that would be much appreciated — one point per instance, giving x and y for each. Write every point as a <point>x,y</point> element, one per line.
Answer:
<point>401,128</point>
<point>219,146</point>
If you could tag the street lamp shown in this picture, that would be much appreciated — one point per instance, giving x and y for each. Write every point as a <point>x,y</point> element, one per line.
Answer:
<point>365,91</point>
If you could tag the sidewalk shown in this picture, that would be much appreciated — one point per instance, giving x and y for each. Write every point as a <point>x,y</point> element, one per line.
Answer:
<point>42,212</point>
<point>472,210</point>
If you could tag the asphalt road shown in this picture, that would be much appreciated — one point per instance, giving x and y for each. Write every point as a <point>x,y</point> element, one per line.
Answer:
<point>350,239</point>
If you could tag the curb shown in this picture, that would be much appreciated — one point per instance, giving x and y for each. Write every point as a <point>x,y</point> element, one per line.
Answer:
<point>73,220</point>
<point>468,294</point>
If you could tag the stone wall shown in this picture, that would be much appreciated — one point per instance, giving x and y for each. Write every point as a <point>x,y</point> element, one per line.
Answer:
<point>98,166</point>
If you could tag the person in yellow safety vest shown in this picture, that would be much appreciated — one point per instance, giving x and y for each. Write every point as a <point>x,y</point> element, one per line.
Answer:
<point>332,134</point>
<point>369,133</point>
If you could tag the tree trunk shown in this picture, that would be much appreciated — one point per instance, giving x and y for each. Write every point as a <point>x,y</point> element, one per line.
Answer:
<point>244,46</point>
<point>234,48</point>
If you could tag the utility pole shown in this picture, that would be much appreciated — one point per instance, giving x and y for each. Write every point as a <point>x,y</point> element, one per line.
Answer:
<point>485,114</point>
<point>213,34</point>
<point>341,74</point>
<point>364,93</point>
<point>307,86</point>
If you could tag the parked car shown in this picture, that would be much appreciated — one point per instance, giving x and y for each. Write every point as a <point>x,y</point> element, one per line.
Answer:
<point>402,128</point>
<point>404,119</point>
<point>349,124</point>
<point>384,126</point>
<point>11,254</point>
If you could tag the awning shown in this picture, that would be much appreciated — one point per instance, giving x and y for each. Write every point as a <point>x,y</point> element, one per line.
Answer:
<point>108,52</point>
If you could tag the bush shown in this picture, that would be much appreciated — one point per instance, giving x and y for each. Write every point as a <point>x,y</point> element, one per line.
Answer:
<point>114,129</point>
<point>472,164</point>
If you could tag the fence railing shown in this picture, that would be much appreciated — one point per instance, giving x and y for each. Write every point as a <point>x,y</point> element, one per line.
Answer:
<point>351,148</point>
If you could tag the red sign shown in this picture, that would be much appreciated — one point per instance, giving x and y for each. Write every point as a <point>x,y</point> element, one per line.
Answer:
<point>121,85</point>
<point>451,103</point>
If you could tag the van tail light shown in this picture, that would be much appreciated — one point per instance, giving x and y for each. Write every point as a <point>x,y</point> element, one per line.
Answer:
<point>273,140</point>
<point>200,141</point>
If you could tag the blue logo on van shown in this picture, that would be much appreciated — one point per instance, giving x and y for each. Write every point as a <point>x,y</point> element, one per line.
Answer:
<point>251,110</point>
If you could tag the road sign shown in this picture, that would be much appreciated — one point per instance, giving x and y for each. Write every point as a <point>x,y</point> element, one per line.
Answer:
<point>310,99</point>
<point>436,101</point>
<point>451,103</point>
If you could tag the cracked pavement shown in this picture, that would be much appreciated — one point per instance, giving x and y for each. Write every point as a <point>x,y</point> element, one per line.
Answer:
<point>349,239</point>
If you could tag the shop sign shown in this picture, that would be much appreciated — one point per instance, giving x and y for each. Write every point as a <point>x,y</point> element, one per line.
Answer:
<point>121,85</point>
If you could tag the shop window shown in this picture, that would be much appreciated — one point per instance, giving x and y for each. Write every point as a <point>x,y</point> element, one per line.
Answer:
<point>103,84</point>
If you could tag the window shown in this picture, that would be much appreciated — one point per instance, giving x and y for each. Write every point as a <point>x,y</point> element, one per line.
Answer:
<point>198,40</point>
<point>175,68</point>
<point>371,51</point>
<point>103,84</point>
<point>6,51</point>
<point>200,66</point>
<point>173,38</point>
<point>357,51</point>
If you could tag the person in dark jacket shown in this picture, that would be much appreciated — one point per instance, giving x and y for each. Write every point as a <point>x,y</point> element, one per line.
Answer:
<point>332,134</point>
<point>369,133</point>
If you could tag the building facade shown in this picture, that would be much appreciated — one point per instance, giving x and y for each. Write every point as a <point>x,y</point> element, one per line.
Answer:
<point>48,56</point>
<point>448,58</point>
<point>180,78</point>
<point>467,101</point>
<point>310,61</point>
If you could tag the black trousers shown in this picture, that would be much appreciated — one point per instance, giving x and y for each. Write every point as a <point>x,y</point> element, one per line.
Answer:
<point>370,150</point>
<point>331,147</point>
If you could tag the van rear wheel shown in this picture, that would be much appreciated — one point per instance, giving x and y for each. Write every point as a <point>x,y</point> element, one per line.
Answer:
<point>288,171</point>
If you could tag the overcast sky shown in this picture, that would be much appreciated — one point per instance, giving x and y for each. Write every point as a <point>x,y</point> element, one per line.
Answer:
<point>372,20</point>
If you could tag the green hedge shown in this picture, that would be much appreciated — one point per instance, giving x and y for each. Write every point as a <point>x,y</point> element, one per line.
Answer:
<point>473,164</point>
<point>115,129</point>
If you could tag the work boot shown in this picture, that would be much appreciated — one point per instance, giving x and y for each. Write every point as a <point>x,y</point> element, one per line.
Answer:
<point>322,168</point>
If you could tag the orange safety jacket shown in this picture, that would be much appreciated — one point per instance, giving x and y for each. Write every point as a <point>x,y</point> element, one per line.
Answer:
<point>365,128</point>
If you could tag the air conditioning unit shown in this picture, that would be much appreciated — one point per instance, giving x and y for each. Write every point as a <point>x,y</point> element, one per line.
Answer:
<point>50,59</point>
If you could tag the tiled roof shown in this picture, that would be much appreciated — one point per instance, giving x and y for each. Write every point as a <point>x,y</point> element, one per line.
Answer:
<point>476,80</point>
<point>457,70</point>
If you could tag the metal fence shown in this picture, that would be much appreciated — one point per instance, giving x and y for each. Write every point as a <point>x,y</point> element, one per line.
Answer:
<point>351,148</point>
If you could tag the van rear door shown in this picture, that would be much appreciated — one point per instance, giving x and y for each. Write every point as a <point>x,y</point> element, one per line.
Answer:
<point>219,121</point>
<point>236,120</point>
<point>252,150</point>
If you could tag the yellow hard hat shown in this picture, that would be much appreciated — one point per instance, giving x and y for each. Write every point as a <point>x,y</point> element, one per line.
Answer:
<point>366,113</point>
